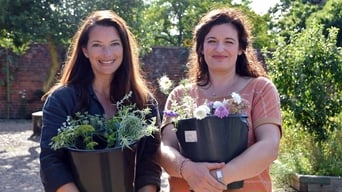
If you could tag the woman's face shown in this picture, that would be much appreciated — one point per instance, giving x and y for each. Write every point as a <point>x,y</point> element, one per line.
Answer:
<point>221,48</point>
<point>104,50</point>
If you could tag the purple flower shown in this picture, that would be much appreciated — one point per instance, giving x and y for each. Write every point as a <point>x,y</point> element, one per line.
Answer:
<point>221,112</point>
<point>211,104</point>
<point>170,113</point>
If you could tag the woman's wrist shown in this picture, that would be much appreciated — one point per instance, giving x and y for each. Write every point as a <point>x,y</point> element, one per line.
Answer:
<point>68,187</point>
<point>181,167</point>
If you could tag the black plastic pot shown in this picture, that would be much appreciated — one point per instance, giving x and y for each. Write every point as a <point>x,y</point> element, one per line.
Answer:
<point>213,139</point>
<point>106,170</point>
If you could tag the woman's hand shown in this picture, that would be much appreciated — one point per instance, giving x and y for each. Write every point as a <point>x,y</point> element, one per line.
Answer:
<point>69,187</point>
<point>199,178</point>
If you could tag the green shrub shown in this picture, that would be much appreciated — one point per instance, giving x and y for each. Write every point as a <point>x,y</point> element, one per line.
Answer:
<point>301,153</point>
<point>279,173</point>
<point>307,71</point>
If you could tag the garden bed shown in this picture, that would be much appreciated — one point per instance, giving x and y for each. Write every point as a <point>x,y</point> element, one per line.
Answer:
<point>313,183</point>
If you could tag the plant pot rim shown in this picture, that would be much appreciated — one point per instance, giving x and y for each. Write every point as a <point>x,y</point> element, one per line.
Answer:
<point>214,116</point>
<point>99,150</point>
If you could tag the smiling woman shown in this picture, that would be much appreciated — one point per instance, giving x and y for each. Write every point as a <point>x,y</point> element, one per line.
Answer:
<point>223,62</point>
<point>101,68</point>
<point>104,50</point>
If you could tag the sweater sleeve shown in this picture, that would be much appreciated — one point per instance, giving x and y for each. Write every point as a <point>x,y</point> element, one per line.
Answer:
<point>54,164</point>
<point>266,104</point>
<point>148,171</point>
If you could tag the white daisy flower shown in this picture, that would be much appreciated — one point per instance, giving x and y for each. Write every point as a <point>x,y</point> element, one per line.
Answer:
<point>201,112</point>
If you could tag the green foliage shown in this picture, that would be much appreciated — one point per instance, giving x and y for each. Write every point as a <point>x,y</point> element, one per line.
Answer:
<point>8,68</point>
<point>87,131</point>
<point>155,22</point>
<point>308,73</point>
<point>280,175</point>
<point>259,26</point>
<point>23,26</point>
<point>306,68</point>
<point>301,153</point>
<point>7,43</point>
<point>290,15</point>
<point>50,20</point>
<point>329,16</point>
<point>81,128</point>
<point>171,22</point>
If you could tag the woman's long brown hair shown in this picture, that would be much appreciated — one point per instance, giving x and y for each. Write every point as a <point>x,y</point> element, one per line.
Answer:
<point>247,63</point>
<point>77,70</point>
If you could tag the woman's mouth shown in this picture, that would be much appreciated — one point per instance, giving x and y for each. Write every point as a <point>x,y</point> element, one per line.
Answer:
<point>107,61</point>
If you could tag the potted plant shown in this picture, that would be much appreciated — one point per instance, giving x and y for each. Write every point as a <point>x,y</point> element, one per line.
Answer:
<point>102,150</point>
<point>213,132</point>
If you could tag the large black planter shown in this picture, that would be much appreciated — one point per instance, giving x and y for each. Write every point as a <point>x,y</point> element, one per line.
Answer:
<point>107,170</point>
<point>213,139</point>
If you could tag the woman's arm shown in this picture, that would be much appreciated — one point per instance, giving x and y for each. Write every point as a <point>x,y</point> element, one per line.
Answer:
<point>54,167</point>
<point>257,157</point>
<point>197,175</point>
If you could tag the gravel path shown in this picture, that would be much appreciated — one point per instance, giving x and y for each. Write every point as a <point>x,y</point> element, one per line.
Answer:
<point>19,165</point>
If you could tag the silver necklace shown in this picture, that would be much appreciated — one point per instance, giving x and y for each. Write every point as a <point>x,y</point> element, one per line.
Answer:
<point>231,87</point>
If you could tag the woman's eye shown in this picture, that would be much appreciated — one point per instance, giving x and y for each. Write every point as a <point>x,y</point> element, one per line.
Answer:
<point>115,44</point>
<point>96,45</point>
<point>229,42</point>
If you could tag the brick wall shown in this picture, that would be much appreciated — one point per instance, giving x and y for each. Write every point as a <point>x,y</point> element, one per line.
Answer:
<point>30,71</point>
<point>28,76</point>
<point>170,61</point>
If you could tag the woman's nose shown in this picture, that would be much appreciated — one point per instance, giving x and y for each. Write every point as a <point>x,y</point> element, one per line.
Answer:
<point>219,47</point>
<point>106,50</point>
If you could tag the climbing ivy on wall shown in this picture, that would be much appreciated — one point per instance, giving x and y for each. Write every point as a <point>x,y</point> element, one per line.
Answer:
<point>9,55</point>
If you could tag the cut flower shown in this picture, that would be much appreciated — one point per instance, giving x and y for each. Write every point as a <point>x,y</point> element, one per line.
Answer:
<point>235,105</point>
<point>187,107</point>
<point>165,84</point>
<point>201,112</point>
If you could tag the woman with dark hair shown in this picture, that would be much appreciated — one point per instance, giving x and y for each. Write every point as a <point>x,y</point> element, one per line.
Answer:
<point>101,68</point>
<point>222,62</point>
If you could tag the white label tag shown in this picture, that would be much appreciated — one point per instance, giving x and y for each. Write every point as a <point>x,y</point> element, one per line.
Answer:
<point>190,136</point>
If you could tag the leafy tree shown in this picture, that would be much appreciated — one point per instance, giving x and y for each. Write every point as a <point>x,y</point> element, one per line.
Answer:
<point>155,22</point>
<point>329,16</point>
<point>290,15</point>
<point>308,73</point>
<point>259,23</point>
<point>171,22</point>
<point>54,22</point>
